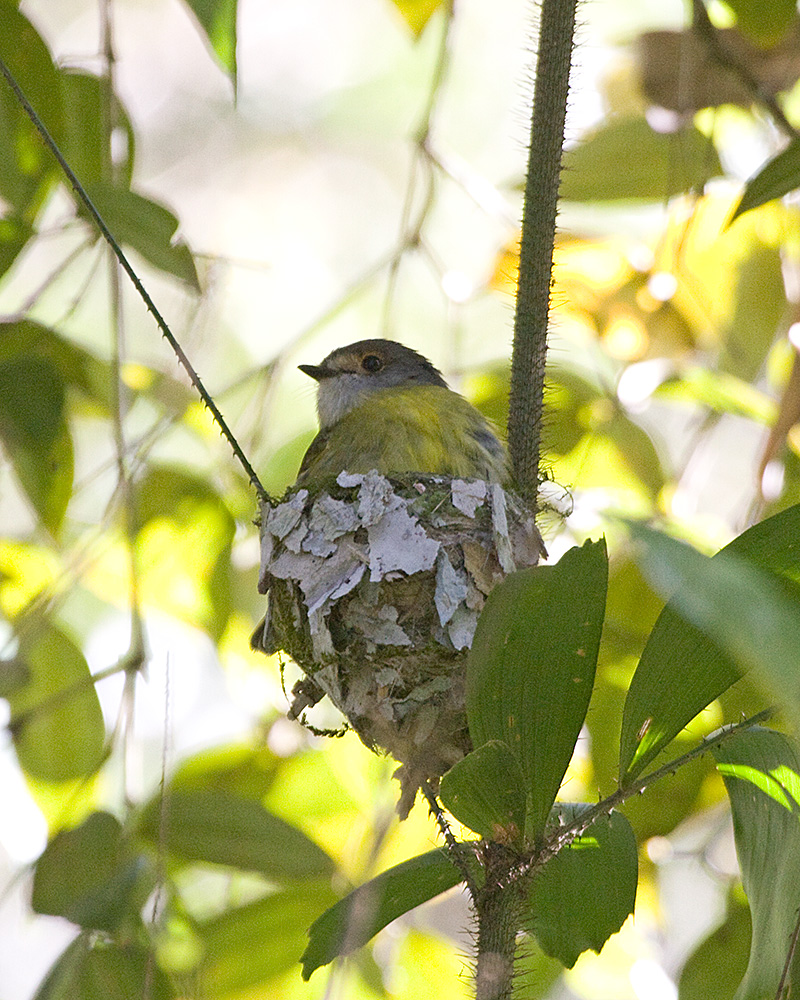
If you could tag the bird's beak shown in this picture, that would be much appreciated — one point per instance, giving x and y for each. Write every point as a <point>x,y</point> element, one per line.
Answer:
<point>317,372</point>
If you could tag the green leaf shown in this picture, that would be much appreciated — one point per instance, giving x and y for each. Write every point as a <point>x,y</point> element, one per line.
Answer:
<point>27,169</point>
<point>531,668</point>
<point>251,944</point>
<point>717,966</point>
<point>85,143</point>
<point>417,13</point>
<point>777,178</point>
<point>712,629</point>
<point>91,876</point>
<point>99,970</point>
<point>78,368</point>
<point>761,770</point>
<point>56,719</point>
<point>360,915</point>
<point>485,792</point>
<point>145,226</point>
<point>14,235</point>
<point>224,829</point>
<point>592,170</point>
<point>760,306</point>
<point>585,893</point>
<point>765,23</point>
<point>34,432</point>
<point>217,18</point>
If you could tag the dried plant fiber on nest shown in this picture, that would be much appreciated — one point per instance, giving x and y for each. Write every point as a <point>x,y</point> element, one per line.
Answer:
<point>375,586</point>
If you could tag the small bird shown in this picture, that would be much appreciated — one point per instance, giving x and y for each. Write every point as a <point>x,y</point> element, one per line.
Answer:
<point>383,406</point>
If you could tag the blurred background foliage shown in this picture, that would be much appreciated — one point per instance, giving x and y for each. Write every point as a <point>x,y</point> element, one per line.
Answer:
<point>288,177</point>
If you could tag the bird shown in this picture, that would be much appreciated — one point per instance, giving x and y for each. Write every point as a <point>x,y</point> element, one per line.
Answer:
<point>383,406</point>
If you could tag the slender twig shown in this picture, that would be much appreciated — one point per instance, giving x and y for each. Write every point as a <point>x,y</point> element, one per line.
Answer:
<point>421,161</point>
<point>570,831</point>
<point>455,849</point>
<point>723,56</point>
<point>551,88</point>
<point>86,201</point>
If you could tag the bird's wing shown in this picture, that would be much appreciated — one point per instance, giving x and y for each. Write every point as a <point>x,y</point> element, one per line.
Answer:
<point>313,452</point>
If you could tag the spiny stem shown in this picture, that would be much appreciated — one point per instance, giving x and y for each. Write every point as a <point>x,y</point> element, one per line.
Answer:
<point>551,89</point>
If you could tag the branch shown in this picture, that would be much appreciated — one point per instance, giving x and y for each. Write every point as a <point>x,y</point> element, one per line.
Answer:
<point>80,191</point>
<point>538,233</point>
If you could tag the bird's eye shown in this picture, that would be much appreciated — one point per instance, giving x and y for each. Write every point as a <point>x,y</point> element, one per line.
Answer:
<point>372,363</point>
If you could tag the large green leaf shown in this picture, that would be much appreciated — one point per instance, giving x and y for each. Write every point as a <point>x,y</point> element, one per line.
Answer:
<point>56,719</point>
<point>27,169</point>
<point>147,227</point>
<point>593,171</point>
<point>360,915</point>
<point>485,792</point>
<point>225,829</point>
<point>92,969</point>
<point>777,178</point>
<point>717,966</point>
<point>217,18</point>
<point>91,876</point>
<point>716,625</point>
<point>761,769</point>
<point>78,368</point>
<point>85,143</point>
<point>251,944</point>
<point>34,432</point>
<point>531,668</point>
<point>585,893</point>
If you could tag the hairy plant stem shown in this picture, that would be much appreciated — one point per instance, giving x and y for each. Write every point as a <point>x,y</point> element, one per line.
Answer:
<point>498,903</point>
<point>551,88</point>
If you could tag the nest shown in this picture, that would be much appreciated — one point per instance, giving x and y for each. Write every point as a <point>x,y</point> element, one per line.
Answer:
<point>375,586</point>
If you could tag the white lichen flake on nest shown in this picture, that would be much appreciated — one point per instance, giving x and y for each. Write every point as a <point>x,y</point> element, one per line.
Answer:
<point>375,587</point>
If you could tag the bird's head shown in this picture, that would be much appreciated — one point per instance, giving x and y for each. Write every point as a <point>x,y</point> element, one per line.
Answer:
<point>350,373</point>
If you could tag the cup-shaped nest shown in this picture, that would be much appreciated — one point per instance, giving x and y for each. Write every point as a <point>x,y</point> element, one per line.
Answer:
<point>375,586</point>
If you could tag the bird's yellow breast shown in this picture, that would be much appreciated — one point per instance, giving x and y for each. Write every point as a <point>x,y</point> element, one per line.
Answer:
<point>426,428</point>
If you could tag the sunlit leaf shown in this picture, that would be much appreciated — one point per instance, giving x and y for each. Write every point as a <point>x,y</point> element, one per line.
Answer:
<point>777,178</point>
<point>761,769</point>
<point>359,916</point>
<point>593,169</point>
<point>719,391</point>
<point>145,226</point>
<point>417,13</point>
<point>56,719</point>
<point>531,668</point>
<point>485,792</point>
<point>34,433</point>
<point>251,944</point>
<point>585,893</point>
<point>219,828</point>
<point>184,537</point>
<point>91,876</point>
<point>92,969</point>
<point>759,309</point>
<point>765,23</point>
<point>726,616</point>
<point>217,18</point>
